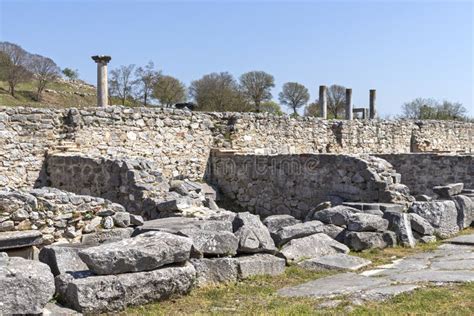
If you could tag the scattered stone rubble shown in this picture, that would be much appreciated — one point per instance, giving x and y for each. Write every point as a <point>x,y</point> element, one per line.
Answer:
<point>105,257</point>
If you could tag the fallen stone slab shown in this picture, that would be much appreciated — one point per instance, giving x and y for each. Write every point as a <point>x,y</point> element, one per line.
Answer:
<point>367,208</point>
<point>25,285</point>
<point>299,230</point>
<point>467,264</point>
<point>174,225</point>
<point>335,285</point>
<point>260,264</point>
<point>333,231</point>
<point>400,223</point>
<point>54,309</point>
<point>111,293</point>
<point>211,243</point>
<point>106,236</point>
<point>442,215</point>
<point>215,270</point>
<point>367,240</point>
<point>361,222</point>
<point>465,208</point>
<point>380,294</point>
<point>20,239</point>
<point>253,235</point>
<point>144,252</point>
<point>449,190</point>
<point>316,245</point>
<point>337,215</point>
<point>276,222</point>
<point>420,225</point>
<point>461,240</point>
<point>63,258</point>
<point>337,261</point>
<point>437,276</point>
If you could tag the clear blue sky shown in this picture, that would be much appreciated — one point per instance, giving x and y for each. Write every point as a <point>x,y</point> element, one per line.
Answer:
<point>403,49</point>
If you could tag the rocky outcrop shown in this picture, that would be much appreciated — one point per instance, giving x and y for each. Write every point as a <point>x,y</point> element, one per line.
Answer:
<point>26,285</point>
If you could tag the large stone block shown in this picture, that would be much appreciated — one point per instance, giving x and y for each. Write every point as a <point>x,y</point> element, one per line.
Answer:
<point>106,236</point>
<point>366,222</point>
<point>442,215</point>
<point>260,264</point>
<point>316,245</point>
<point>365,240</point>
<point>253,235</point>
<point>339,261</point>
<point>211,243</point>
<point>215,270</point>
<point>20,239</point>
<point>110,293</point>
<point>400,223</point>
<point>63,258</point>
<point>337,215</point>
<point>465,208</point>
<point>144,252</point>
<point>420,225</point>
<point>449,190</point>
<point>25,286</point>
<point>299,230</point>
<point>276,222</point>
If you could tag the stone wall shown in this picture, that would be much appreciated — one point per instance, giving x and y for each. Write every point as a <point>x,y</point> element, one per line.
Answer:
<point>421,172</point>
<point>294,184</point>
<point>179,142</point>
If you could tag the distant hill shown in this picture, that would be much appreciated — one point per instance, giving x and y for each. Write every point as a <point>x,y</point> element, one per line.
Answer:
<point>58,93</point>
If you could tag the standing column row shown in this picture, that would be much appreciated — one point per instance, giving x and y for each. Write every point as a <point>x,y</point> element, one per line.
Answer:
<point>323,104</point>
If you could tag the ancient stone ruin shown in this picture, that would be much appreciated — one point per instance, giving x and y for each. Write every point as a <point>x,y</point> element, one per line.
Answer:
<point>112,207</point>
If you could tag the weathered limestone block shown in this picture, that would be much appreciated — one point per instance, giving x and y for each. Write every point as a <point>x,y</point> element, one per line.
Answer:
<point>442,215</point>
<point>337,215</point>
<point>465,208</point>
<point>63,258</point>
<point>420,225</point>
<point>366,222</point>
<point>18,239</point>
<point>25,285</point>
<point>339,261</point>
<point>122,219</point>
<point>449,190</point>
<point>299,230</point>
<point>253,235</point>
<point>215,270</point>
<point>333,231</point>
<point>211,243</point>
<point>366,240</point>
<point>316,245</point>
<point>144,252</point>
<point>260,264</point>
<point>111,293</point>
<point>175,224</point>
<point>106,236</point>
<point>276,222</point>
<point>400,223</point>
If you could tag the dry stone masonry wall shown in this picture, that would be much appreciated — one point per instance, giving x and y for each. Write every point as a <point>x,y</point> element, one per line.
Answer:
<point>294,184</point>
<point>179,142</point>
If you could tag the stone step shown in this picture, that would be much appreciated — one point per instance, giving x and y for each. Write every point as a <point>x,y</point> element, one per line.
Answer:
<point>20,239</point>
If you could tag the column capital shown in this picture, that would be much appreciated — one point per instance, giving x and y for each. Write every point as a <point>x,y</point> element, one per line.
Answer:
<point>103,59</point>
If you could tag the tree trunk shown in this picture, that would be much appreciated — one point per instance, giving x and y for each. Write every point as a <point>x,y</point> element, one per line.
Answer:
<point>145,97</point>
<point>257,105</point>
<point>12,89</point>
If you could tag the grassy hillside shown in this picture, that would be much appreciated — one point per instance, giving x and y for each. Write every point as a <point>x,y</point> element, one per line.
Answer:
<point>59,94</point>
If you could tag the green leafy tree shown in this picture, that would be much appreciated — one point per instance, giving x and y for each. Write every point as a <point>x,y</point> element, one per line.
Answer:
<point>431,109</point>
<point>312,109</point>
<point>70,73</point>
<point>218,92</point>
<point>256,87</point>
<point>294,95</point>
<point>169,91</point>
<point>271,107</point>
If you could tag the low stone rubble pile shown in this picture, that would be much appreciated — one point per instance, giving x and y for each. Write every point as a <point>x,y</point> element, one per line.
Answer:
<point>60,216</point>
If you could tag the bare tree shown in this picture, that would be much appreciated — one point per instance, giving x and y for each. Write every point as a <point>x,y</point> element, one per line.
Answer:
<point>336,100</point>
<point>147,78</point>
<point>313,109</point>
<point>169,91</point>
<point>431,109</point>
<point>45,70</point>
<point>294,95</point>
<point>15,71</point>
<point>218,92</point>
<point>121,82</point>
<point>256,86</point>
